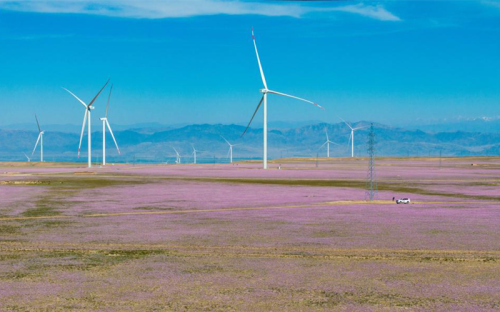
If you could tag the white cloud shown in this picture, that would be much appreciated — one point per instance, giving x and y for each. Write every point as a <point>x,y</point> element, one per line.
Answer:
<point>373,11</point>
<point>185,8</point>
<point>492,3</point>
<point>152,8</point>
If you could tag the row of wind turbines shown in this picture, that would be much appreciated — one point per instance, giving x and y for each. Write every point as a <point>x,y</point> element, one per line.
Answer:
<point>229,153</point>
<point>351,138</point>
<point>86,118</point>
<point>265,91</point>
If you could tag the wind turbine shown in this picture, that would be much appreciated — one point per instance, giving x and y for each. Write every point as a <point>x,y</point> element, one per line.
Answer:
<point>264,92</point>
<point>351,137</point>
<point>230,152</point>
<point>104,124</point>
<point>88,107</point>
<point>40,138</point>
<point>194,154</point>
<point>29,159</point>
<point>327,144</point>
<point>178,157</point>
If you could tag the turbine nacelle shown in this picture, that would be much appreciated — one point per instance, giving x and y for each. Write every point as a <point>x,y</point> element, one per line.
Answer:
<point>264,91</point>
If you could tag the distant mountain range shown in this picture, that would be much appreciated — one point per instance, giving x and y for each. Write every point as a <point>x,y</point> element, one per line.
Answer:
<point>154,143</point>
<point>479,124</point>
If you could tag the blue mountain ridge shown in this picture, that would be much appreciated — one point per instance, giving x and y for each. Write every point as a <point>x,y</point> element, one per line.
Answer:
<point>156,144</point>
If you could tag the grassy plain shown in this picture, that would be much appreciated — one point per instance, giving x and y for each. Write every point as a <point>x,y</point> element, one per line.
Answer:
<point>237,238</point>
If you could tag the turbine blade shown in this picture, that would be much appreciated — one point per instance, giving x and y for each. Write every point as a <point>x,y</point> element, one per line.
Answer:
<point>260,103</point>
<point>225,140</point>
<point>81,134</point>
<point>26,156</point>
<point>95,97</point>
<point>228,151</point>
<point>107,106</point>
<point>346,123</point>
<point>258,60</point>
<point>38,124</point>
<point>350,137</point>
<point>294,97</point>
<point>111,131</point>
<point>83,103</point>
<point>326,132</point>
<point>323,145</point>
<point>357,128</point>
<point>36,144</point>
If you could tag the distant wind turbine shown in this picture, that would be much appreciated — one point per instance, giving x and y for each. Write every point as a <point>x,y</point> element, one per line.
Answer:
<point>88,107</point>
<point>327,143</point>
<point>29,159</point>
<point>104,124</point>
<point>194,154</point>
<point>351,137</point>
<point>265,91</point>
<point>230,152</point>
<point>40,138</point>
<point>178,157</point>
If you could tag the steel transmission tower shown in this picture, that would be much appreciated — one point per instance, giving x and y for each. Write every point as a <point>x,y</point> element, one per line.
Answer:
<point>372,187</point>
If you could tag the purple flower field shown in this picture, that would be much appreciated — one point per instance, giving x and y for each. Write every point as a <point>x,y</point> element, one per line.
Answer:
<point>237,238</point>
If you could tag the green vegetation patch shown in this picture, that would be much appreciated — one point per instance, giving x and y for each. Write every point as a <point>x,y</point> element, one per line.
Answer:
<point>71,260</point>
<point>360,184</point>
<point>153,208</point>
<point>43,207</point>
<point>57,223</point>
<point>9,229</point>
<point>329,299</point>
<point>91,182</point>
<point>135,253</point>
<point>298,182</point>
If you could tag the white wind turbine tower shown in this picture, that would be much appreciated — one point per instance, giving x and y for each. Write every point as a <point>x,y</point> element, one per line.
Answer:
<point>264,92</point>
<point>88,107</point>
<point>351,137</point>
<point>40,138</point>
<point>230,152</point>
<point>194,154</point>
<point>327,143</point>
<point>104,124</point>
<point>177,157</point>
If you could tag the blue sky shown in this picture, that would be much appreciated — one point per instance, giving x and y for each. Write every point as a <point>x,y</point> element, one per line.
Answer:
<point>192,61</point>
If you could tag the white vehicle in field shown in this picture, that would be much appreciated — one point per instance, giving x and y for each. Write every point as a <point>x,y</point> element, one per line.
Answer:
<point>403,201</point>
